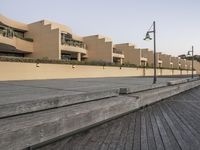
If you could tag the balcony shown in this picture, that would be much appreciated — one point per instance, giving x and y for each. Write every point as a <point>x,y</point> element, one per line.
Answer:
<point>160,61</point>
<point>118,53</point>
<point>143,59</point>
<point>72,42</point>
<point>17,43</point>
<point>68,48</point>
<point>71,45</point>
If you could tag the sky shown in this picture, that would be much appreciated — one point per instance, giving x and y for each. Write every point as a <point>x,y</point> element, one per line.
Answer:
<point>125,21</point>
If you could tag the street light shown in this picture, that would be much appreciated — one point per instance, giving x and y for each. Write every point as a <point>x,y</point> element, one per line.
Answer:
<point>192,52</point>
<point>152,29</point>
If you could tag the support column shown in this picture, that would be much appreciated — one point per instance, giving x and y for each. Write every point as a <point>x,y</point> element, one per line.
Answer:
<point>121,60</point>
<point>78,56</point>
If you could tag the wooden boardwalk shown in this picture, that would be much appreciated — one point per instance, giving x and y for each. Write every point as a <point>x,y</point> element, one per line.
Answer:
<point>172,124</point>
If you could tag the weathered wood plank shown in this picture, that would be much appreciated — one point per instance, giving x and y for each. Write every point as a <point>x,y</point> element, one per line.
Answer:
<point>171,124</point>
<point>122,141</point>
<point>163,132</point>
<point>150,134</point>
<point>157,136</point>
<point>137,141</point>
<point>114,142</point>
<point>144,143</point>
<point>175,136</point>
<point>131,132</point>
<point>183,127</point>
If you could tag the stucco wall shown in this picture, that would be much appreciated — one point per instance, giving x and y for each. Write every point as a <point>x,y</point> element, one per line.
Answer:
<point>29,71</point>
<point>132,54</point>
<point>46,40</point>
<point>99,48</point>
<point>197,66</point>
<point>165,60</point>
<point>175,61</point>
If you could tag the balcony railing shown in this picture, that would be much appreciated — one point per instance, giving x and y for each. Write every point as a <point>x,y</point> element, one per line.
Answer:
<point>66,39</point>
<point>9,33</point>
<point>72,42</point>
<point>18,43</point>
<point>117,51</point>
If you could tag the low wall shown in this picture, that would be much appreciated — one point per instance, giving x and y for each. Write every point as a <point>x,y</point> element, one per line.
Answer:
<point>31,71</point>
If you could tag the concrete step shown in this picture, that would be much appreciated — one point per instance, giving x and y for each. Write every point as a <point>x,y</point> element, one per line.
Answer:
<point>28,106</point>
<point>141,88</point>
<point>157,94</point>
<point>25,130</point>
<point>175,82</point>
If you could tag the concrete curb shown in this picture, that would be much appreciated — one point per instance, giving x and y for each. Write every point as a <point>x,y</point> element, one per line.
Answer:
<point>141,88</point>
<point>7,110</point>
<point>181,81</point>
<point>155,95</point>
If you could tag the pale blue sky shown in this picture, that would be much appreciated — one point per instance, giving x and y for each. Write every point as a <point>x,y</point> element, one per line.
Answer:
<point>178,21</point>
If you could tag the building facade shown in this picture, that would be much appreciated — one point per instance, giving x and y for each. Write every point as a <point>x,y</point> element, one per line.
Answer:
<point>132,54</point>
<point>47,39</point>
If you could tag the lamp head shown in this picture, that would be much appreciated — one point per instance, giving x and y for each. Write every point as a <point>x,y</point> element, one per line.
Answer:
<point>147,37</point>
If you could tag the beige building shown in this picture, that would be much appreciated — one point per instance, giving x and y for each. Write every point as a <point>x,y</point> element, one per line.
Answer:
<point>132,55</point>
<point>56,41</point>
<point>47,39</point>
<point>150,57</point>
<point>183,64</point>
<point>175,61</point>
<point>40,39</point>
<point>101,48</point>
<point>13,38</point>
<point>189,64</point>
<point>197,67</point>
<point>166,61</point>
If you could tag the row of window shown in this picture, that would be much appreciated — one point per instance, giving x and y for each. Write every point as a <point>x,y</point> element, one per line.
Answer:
<point>10,33</point>
<point>68,40</point>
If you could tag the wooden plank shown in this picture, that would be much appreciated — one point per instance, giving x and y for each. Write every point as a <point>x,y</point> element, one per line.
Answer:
<point>131,132</point>
<point>121,143</point>
<point>116,137</point>
<point>172,139</point>
<point>163,133</point>
<point>192,115</point>
<point>176,138</point>
<point>183,127</point>
<point>99,136</point>
<point>157,136</point>
<point>137,142</point>
<point>150,134</point>
<point>106,142</point>
<point>181,112</point>
<point>144,143</point>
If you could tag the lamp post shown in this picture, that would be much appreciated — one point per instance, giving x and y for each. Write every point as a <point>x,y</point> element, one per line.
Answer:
<point>192,53</point>
<point>152,29</point>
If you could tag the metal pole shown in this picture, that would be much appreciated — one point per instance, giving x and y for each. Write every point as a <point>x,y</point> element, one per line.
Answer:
<point>192,61</point>
<point>154,31</point>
